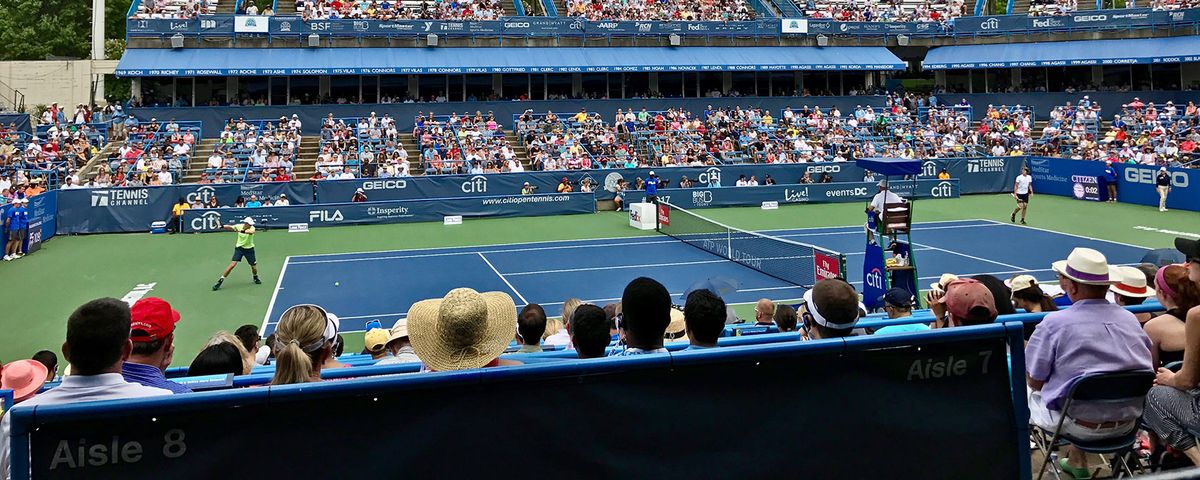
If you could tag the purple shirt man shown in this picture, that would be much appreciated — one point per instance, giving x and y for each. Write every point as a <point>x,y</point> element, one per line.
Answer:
<point>1092,336</point>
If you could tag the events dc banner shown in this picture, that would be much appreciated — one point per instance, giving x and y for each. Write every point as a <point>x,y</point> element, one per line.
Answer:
<point>43,211</point>
<point>813,193</point>
<point>397,211</point>
<point>133,209</point>
<point>954,383</point>
<point>1135,183</point>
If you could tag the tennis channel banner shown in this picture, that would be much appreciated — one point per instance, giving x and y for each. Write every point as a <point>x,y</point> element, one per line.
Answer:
<point>133,209</point>
<point>951,383</point>
<point>399,211</point>
<point>690,198</point>
<point>1082,179</point>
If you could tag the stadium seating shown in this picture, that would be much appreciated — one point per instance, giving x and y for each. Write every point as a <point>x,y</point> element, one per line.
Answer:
<point>694,10</point>
<point>175,9</point>
<point>402,9</point>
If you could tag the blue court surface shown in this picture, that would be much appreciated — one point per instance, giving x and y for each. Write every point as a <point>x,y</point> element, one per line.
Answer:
<point>360,287</point>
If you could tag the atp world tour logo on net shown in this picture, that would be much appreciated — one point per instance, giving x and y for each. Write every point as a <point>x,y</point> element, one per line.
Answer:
<point>120,198</point>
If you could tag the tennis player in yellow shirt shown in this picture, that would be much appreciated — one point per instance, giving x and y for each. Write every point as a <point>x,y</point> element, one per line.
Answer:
<point>243,249</point>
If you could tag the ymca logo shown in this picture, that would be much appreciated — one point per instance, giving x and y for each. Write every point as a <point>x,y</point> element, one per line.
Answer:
<point>325,216</point>
<point>942,190</point>
<point>202,195</point>
<point>207,221</point>
<point>476,184</point>
<point>710,176</point>
<point>428,25</point>
<point>702,198</point>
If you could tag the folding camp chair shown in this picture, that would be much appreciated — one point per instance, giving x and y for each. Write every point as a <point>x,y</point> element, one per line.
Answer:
<point>1115,390</point>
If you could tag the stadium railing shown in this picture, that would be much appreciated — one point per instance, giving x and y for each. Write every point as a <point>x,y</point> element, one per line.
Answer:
<point>197,435</point>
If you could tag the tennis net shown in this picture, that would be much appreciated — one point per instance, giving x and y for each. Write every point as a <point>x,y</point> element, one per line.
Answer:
<point>794,262</point>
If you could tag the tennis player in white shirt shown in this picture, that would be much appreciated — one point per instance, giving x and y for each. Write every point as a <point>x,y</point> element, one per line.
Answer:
<point>1022,190</point>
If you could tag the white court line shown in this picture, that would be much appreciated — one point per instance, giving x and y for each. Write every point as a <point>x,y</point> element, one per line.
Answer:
<point>972,257</point>
<point>1069,234</point>
<point>274,295</point>
<point>506,282</point>
<point>616,267</point>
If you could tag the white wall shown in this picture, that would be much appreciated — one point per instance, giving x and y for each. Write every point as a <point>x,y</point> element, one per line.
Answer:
<point>68,82</point>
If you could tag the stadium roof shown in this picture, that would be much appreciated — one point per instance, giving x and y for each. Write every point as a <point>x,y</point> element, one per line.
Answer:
<point>375,61</point>
<point>1065,54</point>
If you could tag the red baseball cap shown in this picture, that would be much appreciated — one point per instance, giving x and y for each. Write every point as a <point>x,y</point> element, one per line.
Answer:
<point>966,296</point>
<point>152,319</point>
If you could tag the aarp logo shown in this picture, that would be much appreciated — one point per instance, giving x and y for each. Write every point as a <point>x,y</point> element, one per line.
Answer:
<point>202,195</point>
<point>206,222</point>
<point>942,190</point>
<point>476,184</point>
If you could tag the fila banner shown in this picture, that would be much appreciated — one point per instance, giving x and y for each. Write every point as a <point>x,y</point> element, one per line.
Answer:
<point>329,215</point>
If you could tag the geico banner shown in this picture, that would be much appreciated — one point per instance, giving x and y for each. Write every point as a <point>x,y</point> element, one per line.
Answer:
<point>950,382</point>
<point>397,211</point>
<point>1135,183</point>
<point>113,210</point>
<point>809,193</point>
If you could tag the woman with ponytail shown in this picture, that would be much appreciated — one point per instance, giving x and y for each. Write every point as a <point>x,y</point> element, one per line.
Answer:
<point>1177,295</point>
<point>303,342</point>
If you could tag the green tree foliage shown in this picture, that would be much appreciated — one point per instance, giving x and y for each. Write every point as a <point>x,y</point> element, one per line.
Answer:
<point>33,29</point>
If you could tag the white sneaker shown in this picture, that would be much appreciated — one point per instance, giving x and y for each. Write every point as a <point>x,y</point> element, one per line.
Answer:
<point>17,255</point>
<point>8,258</point>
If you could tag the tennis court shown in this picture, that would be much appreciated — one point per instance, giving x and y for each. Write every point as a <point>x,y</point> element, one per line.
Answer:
<point>360,287</point>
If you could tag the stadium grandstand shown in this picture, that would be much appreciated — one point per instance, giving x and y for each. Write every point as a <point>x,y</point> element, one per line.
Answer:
<point>626,231</point>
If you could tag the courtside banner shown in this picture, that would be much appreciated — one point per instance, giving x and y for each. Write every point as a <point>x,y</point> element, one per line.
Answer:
<point>133,209</point>
<point>43,211</point>
<point>889,403</point>
<point>1135,183</point>
<point>329,215</point>
<point>810,193</point>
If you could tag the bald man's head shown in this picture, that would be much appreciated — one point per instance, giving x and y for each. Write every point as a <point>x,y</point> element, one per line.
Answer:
<point>764,311</point>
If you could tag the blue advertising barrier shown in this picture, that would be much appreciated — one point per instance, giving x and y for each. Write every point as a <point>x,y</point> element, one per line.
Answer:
<point>133,209</point>
<point>1093,20</point>
<point>939,384</point>
<point>975,175</point>
<point>701,197</point>
<point>397,211</point>
<point>1083,179</point>
<point>43,223</point>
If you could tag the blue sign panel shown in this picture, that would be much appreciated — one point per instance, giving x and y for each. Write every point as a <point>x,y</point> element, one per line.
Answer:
<point>329,215</point>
